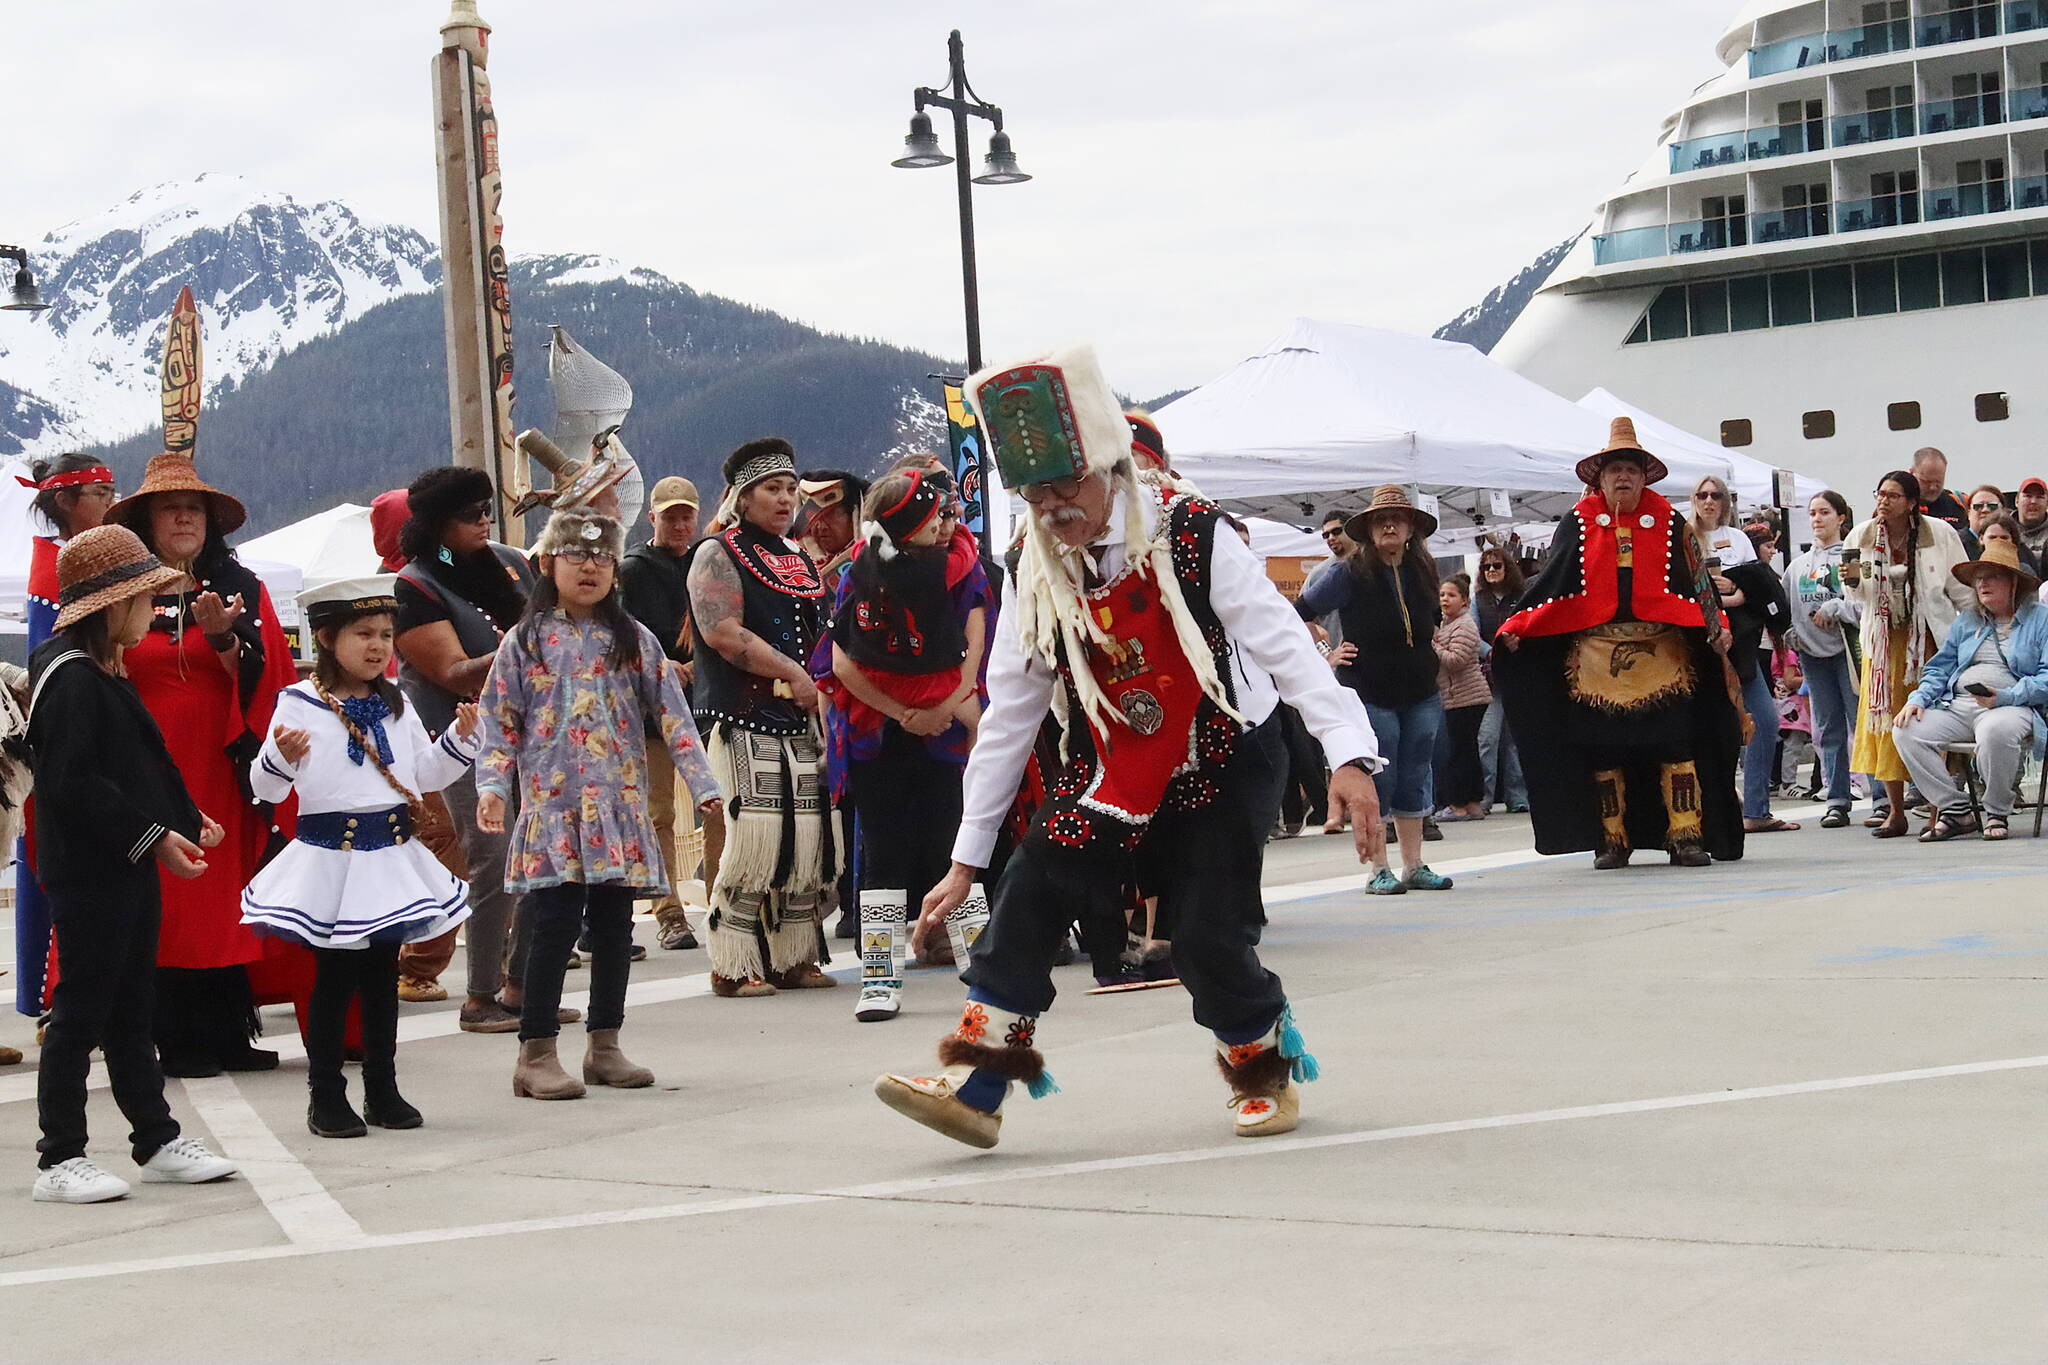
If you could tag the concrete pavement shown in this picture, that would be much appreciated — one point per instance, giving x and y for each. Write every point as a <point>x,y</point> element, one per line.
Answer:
<point>1784,1109</point>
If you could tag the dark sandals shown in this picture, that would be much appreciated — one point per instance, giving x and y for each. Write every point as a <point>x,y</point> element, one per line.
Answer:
<point>1947,827</point>
<point>1995,828</point>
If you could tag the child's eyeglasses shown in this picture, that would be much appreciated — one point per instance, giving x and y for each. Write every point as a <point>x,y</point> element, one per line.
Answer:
<point>577,554</point>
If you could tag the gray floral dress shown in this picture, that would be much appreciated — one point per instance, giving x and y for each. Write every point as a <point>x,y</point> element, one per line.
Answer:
<point>573,729</point>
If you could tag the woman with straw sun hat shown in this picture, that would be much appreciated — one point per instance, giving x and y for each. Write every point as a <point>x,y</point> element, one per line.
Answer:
<point>114,809</point>
<point>209,669</point>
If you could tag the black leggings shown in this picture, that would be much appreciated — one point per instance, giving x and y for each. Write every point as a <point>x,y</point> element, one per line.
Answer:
<point>339,976</point>
<point>908,804</point>
<point>1464,776</point>
<point>106,987</point>
<point>560,913</point>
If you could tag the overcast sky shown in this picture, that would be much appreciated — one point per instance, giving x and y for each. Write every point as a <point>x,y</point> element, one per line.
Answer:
<point>1206,171</point>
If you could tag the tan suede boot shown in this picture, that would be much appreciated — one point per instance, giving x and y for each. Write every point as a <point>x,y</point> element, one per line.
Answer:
<point>604,1064</point>
<point>539,1074</point>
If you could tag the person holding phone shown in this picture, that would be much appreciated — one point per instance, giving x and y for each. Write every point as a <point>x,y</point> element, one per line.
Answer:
<point>1987,683</point>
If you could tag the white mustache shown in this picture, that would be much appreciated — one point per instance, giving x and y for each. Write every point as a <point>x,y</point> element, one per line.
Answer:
<point>1065,516</point>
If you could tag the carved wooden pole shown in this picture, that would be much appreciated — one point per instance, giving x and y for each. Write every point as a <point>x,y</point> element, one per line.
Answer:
<point>476,303</point>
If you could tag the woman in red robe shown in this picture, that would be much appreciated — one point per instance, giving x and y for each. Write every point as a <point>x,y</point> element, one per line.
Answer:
<point>209,671</point>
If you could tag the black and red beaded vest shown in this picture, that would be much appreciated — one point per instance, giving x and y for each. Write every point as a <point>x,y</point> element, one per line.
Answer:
<point>783,602</point>
<point>1171,752</point>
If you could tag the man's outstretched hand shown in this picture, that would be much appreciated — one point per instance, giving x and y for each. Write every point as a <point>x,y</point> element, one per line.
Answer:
<point>1354,797</point>
<point>940,902</point>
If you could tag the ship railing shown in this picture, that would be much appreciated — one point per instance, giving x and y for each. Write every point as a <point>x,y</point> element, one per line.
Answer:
<point>1959,25</point>
<point>1873,125</point>
<point>1878,211</point>
<point>1703,153</point>
<point>1969,111</point>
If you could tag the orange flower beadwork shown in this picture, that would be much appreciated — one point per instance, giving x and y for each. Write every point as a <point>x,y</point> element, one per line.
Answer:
<point>973,1023</point>
<point>1250,1107</point>
<point>1240,1053</point>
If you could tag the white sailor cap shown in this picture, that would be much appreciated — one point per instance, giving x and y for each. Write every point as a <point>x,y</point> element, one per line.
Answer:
<point>344,599</point>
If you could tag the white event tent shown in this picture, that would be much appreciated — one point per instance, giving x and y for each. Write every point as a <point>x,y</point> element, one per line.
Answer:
<point>1329,411</point>
<point>336,543</point>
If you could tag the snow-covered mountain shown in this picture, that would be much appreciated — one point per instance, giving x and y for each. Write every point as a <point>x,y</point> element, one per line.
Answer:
<point>269,273</point>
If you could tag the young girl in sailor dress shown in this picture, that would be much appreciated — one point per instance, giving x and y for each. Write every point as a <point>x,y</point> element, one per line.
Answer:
<point>355,884</point>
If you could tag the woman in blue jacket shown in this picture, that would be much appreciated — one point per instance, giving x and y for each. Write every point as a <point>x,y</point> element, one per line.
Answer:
<point>1987,684</point>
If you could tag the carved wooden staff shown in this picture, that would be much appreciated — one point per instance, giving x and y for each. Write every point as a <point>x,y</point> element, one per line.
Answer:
<point>180,375</point>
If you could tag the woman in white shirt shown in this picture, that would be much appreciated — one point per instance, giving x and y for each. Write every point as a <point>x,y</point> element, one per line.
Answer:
<point>1713,521</point>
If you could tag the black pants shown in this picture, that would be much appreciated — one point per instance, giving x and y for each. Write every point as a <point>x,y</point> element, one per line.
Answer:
<point>204,1013</point>
<point>1305,797</point>
<point>1204,866</point>
<point>105,998</point>
<point>560,913</point>
<point>1464,777</point>
<point>907,804</point>
<point>339,976</point>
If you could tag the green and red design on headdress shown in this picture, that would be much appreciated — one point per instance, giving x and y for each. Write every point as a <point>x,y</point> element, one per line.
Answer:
<point>1050,417</point>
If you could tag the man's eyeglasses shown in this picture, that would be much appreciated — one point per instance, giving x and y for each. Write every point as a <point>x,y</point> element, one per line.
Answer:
<point>1986,507</point>
<point>1334,533</point>
<point>1063,488</point>
<point>578,554</point>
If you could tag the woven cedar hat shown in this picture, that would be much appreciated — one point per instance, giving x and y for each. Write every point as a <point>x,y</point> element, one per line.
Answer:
<point>103,566</point>
<point>1621,441</point>
<point>1999,554</point>
<point>1389,497</point>
<point>172,473</point>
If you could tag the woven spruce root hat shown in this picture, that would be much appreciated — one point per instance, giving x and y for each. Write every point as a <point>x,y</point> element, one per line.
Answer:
<point>1999,554</point>
<point>1389,497</point>
<point>171,473</point>
<point>101,567</point>
<point>1621,443</point>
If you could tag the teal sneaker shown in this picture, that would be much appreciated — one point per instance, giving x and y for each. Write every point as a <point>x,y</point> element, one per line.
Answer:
<point>1385,883</point>
<point>1422,879</point>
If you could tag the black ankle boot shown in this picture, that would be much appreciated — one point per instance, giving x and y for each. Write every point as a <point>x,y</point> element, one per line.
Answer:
<point>330,1115</point>
<point>386,1108</point>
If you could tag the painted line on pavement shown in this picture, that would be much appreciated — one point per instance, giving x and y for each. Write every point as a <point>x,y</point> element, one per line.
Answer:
<point>896,1189</point>
<point>292,1194</point>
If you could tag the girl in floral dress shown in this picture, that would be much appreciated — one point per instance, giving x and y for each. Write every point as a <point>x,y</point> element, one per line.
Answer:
<point>572,692</point>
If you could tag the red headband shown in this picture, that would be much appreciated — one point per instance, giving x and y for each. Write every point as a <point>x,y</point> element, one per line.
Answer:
<point>99,473</point>
<point>913,511</point>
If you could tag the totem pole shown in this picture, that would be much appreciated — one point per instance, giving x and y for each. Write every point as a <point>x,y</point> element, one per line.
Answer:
<point>476,300</point>
<point>180,376</point>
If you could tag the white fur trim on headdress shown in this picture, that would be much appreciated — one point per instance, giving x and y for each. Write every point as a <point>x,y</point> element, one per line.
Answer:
<point>1098,429</point>
<point>579,526</point>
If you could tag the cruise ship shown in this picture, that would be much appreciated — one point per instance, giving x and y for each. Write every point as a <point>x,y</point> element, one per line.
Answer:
<point>1838,252</point>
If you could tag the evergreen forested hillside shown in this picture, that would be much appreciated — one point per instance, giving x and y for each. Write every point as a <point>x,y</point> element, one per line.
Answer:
<point>351,414</point>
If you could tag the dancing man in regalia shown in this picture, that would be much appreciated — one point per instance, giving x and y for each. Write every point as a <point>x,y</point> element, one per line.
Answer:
<point>1168,651</point>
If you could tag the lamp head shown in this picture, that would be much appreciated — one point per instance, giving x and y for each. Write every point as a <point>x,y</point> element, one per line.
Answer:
<point>23,298</point>
<point>999,167</point>
<point>921,148</point>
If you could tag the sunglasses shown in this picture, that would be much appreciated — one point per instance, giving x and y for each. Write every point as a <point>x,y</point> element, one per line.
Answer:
<point>1708,496</point>
<point>1493,568</point>
<point>480,512</point>
<point>1063,488</point>
<point>578,554</point>
<point>1985,506</point>
<point>1333,533</point>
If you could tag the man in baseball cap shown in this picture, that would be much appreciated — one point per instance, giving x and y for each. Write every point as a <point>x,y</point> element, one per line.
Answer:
<point>654,581</point>
<point>2032,507</point>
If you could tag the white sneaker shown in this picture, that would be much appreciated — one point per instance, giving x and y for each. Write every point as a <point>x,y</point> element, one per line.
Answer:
<point>80,1180</point>
<point>185,1161</point>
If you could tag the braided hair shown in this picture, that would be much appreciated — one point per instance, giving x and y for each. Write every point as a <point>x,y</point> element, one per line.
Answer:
<point>369,747</point>
<point>1910,486</point>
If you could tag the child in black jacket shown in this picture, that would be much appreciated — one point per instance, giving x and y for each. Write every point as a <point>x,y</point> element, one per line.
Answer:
<point>111,807</point>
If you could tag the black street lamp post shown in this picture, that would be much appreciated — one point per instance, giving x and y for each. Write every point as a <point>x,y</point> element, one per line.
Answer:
<point>21,296</point>
<point>999,167</point>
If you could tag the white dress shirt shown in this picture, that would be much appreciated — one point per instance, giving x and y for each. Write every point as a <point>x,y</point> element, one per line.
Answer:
<point>1283,665</point>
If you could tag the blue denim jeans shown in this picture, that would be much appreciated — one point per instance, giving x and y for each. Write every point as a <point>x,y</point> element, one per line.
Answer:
<point>1407,737</point>
<point>1832,688</point>
<point>1759,759</point>
<point>1498,757</point>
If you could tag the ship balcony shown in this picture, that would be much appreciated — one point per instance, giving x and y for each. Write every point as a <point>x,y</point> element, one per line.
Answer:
<point>1961,25</point>
<point>1939,205</point>
<point>1716,150</point>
